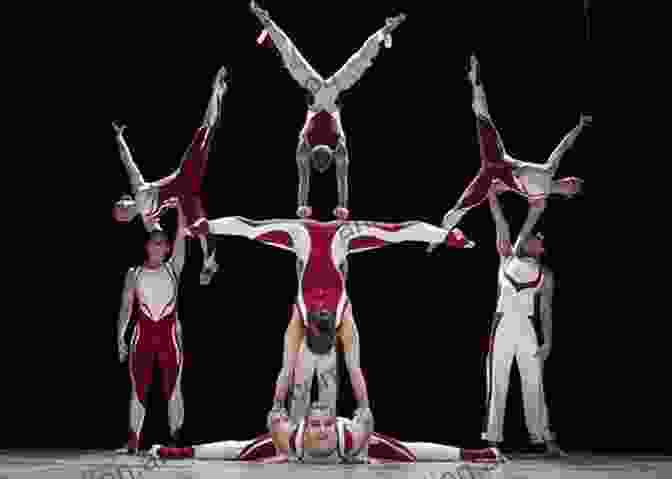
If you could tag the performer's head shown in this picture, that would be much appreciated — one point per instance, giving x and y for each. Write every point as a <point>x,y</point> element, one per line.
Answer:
<point>157,247</point>
<point>125,209</point>
<point>534,246</point>
<point>320,430</point>
<point>321,157</point>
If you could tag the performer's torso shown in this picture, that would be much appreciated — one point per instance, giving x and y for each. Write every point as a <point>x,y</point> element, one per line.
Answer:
<point>532,182</point>
<point>338,448</point>
<point>520,280</point>
<point>156,292</point>
<point>322,270</point>
<point>323,128</point>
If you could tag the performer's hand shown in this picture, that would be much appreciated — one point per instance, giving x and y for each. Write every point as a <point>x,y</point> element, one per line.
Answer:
<point>220,85</point>
<point>497,187</point>
<point>304,212</point>
<point>543,352</point>
<point>276,414</point>
<point>341,213</point>
<point>363,415</point>
<point>123,351</point>
<point>585,120</point>
<point>392,23</point>
<point>504,246</point>
<point>119,129</point>
<point>261,14</point>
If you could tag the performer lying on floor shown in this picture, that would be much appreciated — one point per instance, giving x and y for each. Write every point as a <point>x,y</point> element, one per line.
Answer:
<point>322,437</point>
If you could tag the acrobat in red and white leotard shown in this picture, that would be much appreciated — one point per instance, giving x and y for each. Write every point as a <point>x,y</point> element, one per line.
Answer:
<point>155,339</point>
<point>322,248</point>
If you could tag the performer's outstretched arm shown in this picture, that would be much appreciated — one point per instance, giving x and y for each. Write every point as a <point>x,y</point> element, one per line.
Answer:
<point>350,341</point>
<point>358,63</point>
<point>297,65</point>
<point>134,175</point>
<point>366,235</point>
<point>553,162</point>
<point>179,245</point>
<point>127,297</point>
<point>293,337</point>
<point>501,225</point>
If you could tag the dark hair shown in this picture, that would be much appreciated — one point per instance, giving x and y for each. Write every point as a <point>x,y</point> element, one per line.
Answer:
<point>158,234</point>
<point>321,157</point>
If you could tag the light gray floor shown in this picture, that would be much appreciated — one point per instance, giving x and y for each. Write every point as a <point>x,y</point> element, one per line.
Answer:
<point>107,465</point>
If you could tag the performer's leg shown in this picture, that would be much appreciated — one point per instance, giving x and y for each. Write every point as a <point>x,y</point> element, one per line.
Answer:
<point>303,165</point>
<point>216,450</point>
<point>500,359</point>
<point>170,363</point>
<point>303,380</point>
<point>534,401</point>
<point>140,366</point>
<point>221,450</point>
<point>341,159</point>
<point>475,194</point>
<point>427,451</point>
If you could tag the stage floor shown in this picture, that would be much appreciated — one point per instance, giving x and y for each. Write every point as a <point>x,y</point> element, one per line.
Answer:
<point>107,465</point>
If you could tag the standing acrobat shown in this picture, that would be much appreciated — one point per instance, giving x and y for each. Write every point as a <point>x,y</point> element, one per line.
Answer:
<point>533,181</point>
<point>149,199</point>
<point>322,139</point>
<point>149,299</point>
<point>521,329</point>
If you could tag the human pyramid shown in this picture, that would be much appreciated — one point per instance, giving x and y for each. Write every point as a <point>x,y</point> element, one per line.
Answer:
<point>322,313</point>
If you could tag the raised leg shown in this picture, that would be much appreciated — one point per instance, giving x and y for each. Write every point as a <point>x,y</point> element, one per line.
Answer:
<point>303,165</point>
<point>341,159</point>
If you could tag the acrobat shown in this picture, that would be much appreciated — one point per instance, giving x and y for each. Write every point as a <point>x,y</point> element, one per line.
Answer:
<point>534,181</point>
<point>322,140</point>
<point>150,199</point>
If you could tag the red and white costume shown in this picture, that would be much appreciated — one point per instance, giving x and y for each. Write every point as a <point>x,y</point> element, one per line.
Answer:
<point>516,333</point>
<point>156,339</point>
<point>379,449</point>
<point>321,250</point>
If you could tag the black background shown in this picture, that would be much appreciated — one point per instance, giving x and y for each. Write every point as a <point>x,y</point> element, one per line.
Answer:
<point>423,319</point>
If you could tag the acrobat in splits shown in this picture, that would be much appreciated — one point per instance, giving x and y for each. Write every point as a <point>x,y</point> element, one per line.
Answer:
<point>521,329</point>
<point>322,437</point>
<point>149,199</point>
<point>322,139</point>
<point>149,299</point>
<point>322,304</point>
<point>533,181</point>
